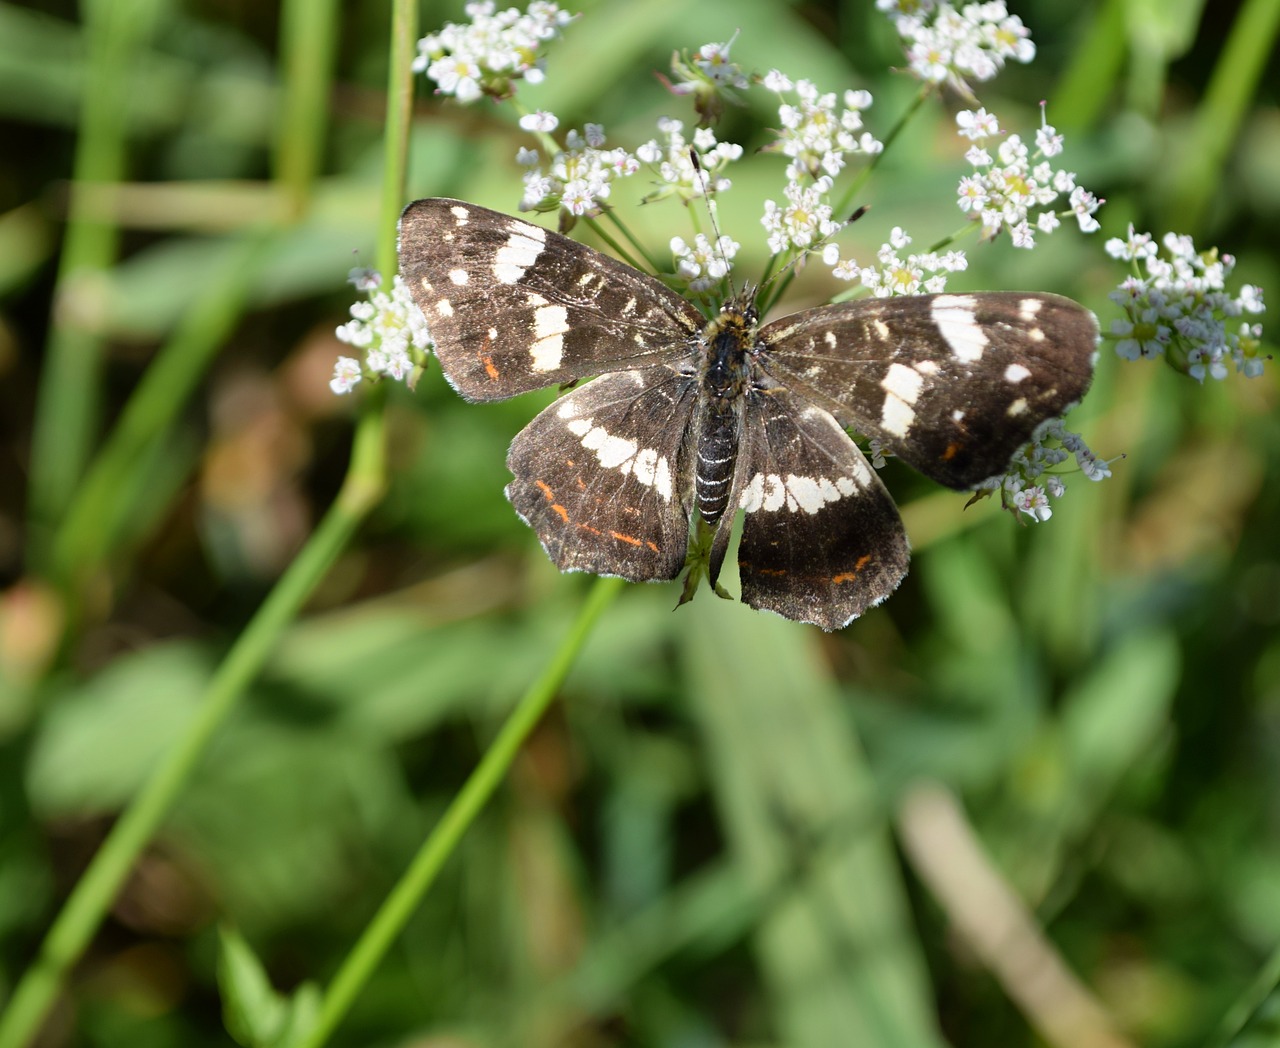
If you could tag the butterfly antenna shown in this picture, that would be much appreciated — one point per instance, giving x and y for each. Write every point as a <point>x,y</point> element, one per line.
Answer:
<point>710,205</point>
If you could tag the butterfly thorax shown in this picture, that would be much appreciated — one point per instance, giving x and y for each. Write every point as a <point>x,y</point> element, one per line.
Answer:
<point>724,375</point>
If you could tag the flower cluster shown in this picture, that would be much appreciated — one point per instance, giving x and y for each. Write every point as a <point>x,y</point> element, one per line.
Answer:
<point>804,221</point>
<point>389,328</point>
<point>1003,192</point>
<point>703,264</point>
<point>816,137</point>
<point>1028,485</point>
<point>485,55</point>
<point>917,273</point>
<point>577,178</point>
<point>669,160</point>
<point>710,77</point>
<point>955,46</point>
<point>1181,308</point>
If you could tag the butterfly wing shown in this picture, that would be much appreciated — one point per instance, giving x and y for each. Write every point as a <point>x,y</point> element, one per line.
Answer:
<point>598,475</point>
<point>514,307</point>
<point>952,384</point>
<point>822,540</point>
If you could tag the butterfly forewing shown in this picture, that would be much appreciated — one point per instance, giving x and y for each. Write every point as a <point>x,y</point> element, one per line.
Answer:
<point>514,307</point>
<point>952,384</point>
<point>821,539</point>
<point>598,475</point>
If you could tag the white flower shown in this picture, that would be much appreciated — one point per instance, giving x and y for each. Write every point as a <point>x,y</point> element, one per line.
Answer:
<point>895,275</point>
<point>1034,502</point>
<point>816,135</point>
<point>978,124</point>
<point>803,221</point>
<point>489,53</point>
<point>346,373</point>
<point>676,173</point>
<point>1017,190</point>
<point>1181,308</point>
<point>388,327</point>
<point>703,264</point>
<point>539,121</point>
<point>1028,485</point>
<point>577,179</point>
<point>972,43</point>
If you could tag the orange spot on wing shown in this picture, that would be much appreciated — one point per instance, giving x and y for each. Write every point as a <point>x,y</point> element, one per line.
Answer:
<point>564,513</point>
<point>776,572</point>
<point>630,540</point>
<point>489,368</point>
<point>546,490</point>
<point>852,576</point>
<point>951,452</point>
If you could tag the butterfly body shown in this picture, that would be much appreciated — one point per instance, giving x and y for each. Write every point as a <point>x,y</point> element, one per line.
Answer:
<point>696,417</point>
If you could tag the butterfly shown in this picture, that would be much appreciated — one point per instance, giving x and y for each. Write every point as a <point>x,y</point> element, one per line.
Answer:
<point>694,419</point>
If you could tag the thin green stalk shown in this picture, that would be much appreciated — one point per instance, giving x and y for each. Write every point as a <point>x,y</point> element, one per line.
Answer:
<point>116,33</point>
<point>615,218</point>
<point>97,888</point>
<point>307,32</point>
<point>404,36</point>
<point>404,899</point>
<point>855,187</point>
<point>1198,175</point>
<point>81,542</point>
<point>1244,1008</point>
<point>612,241</point>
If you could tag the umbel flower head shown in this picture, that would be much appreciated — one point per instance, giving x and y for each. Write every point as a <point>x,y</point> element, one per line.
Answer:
<point>486,55</point>
<point>389,328</point>
<point>1180,308</point>
<point>710,77</point>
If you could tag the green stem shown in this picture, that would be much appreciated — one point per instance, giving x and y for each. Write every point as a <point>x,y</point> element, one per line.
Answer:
<point>612,215</point>
<point>67,409</point>
<point>855,187</point>
<point>612,241</point>
<point>97,888</point>
<point>307,31</point>
<point>1226,100</point>
<point>1254,996</point>
<point>404,35</point>
<point>81,542</point>
<point>458,817</point>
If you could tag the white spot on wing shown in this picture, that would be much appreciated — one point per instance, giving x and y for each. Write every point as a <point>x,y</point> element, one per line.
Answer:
<point>958,325</point>
<point>460,214</point>
<point>523,246</point>
<point>896,416</point>
<point>611,451</point>
<point>902,382</point>
<point>645,464</point>
<point>926,367</point>
<point>882,329</point>
<point>1016,373</point>
<point>1028,308</point>
<point>549,326</point>
<point>444,307</point>
<point>1017,407</point>
<point>458,276</point>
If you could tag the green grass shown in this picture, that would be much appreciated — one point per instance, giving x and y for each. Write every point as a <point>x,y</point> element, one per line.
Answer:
<point>266,769</point>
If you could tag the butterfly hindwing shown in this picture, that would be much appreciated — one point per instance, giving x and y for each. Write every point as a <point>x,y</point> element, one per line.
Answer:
<point>821,539</point>
<point>598,475</point>
<point>515,307</point>
<point>952,384</point>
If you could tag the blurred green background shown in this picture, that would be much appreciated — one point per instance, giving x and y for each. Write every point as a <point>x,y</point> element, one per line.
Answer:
<point>730,830</point>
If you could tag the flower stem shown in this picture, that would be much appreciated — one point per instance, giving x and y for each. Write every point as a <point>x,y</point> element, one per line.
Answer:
<point>443,840</point>
<point>97,888</point>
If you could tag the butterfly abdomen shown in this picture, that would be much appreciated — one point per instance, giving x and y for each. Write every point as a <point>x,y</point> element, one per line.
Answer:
<point>722,385</point>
